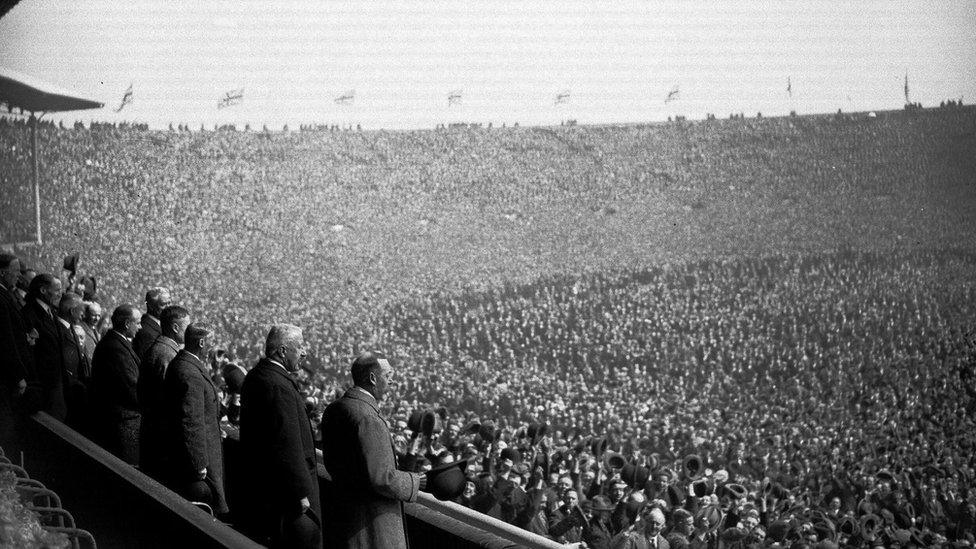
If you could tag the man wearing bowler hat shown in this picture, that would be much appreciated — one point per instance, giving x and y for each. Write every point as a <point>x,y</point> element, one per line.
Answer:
<point>366,503</point>
<point>190,410</point>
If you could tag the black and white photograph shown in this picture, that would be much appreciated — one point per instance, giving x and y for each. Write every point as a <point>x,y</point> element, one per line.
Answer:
<point>644,274</point>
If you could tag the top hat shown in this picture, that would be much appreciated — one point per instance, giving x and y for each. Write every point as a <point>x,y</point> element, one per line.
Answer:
<point>71,263</point>
<point>428,423</point>
<point>536,431</point>
<point>598,446</point>
<point>413,422</point>
<point>447,480</point>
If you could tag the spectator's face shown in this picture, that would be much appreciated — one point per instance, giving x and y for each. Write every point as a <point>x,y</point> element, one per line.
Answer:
<point>52,292</point>
<point>655,522</point>
<point>10,273</point>
<point>571,499</point>
<point>294,353</point>
<point>132,325</point>
<point>565,484</point>
<point>93,313</point>
<point>835,504</point>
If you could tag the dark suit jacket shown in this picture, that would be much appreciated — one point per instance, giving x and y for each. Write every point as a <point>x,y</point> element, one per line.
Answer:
<point>15,354</point>
<point>146,335</point>
<point>149,388</point>
<point>277,445</point>
<point>115,373</point>
<point>191,415</point>
<point>368,489</point>
<point>48,358</point>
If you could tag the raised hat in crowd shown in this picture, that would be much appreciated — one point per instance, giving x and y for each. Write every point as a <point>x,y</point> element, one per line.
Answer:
<point>598,446</point>
<point>871,524</point>
<point>413,422</point>
<point>676,496</point>
<point>634,475</point>
<point>703,487</point>
<point>447,480</point>
<point>693,467</point>
<point>428,423</point>
<point>601,503</point>
<point>511,454</point>
<point>710,516</point>
<point>536,431</point>
<point>613,460</point>
<point>779,530</point>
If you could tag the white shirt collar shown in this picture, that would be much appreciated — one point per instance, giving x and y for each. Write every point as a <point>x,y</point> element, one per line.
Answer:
<point>280,365</point>
<point>64,323</point>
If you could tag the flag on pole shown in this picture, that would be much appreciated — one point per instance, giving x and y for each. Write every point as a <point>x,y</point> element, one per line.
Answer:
<point>347,98</point>
<point>454,97</point>
<point>231,98</point>
<point>789,86</point>
<point>126,99</point>
<point>906,88</point>
<point>672,95</point>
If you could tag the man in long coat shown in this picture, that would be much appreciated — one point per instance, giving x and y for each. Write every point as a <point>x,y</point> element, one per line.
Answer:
<point>40,313</point>
<point>115,372</point>
<point>152,370</point>
<point>16,359</point>
<point>282,505</point>
<point>366,504</point>
<point>194,462</point>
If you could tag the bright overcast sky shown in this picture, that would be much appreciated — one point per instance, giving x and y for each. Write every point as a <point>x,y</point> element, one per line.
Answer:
<point>617,59</point>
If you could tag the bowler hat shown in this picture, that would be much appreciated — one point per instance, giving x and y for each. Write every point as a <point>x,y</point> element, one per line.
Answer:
<point>693,466</point>
<point>870,525</point>
<point>634,475</point>
<point>736,491</point>
<point>848,526</point>
<point>779,531</point>
<point>447,480</point>
<point>703,487</point>
<point>487,431</point>
<point>472,426</point>
<point>613,460</point>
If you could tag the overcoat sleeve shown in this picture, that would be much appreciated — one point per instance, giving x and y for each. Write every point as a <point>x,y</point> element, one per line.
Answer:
<point>377,454</point>
<point>192,421</point>
<point>287,448</point>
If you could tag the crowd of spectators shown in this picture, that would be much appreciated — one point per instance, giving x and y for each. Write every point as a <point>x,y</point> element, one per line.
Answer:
<point>674,291</point>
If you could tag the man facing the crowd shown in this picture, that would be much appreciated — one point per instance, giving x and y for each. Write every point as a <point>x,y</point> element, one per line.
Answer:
<point>152,370</point>
<point>369,491</point>
<point>191,415</point>
<point>115,373</point>
<point>93,333</point>
<point>157,299</point>
<point>40,313</point>
<point>282,503</point>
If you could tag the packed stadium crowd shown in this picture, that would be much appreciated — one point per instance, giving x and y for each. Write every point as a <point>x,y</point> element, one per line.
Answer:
<point>786,395</point>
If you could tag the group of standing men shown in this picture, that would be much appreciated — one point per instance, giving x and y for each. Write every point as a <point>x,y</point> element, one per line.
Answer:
<point>146,393</point>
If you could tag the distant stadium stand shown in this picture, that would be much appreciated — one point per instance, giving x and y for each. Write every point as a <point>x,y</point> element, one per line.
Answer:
<point>29,94</point>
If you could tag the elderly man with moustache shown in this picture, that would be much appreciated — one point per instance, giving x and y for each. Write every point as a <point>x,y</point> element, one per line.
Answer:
<point>367,500</point>
<point>281,502</point>
<point>115,373</point>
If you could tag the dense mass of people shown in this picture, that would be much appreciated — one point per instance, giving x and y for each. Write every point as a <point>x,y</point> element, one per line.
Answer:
<point>598,389</point>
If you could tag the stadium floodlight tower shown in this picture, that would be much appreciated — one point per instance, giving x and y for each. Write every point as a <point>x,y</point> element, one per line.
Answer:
<point>32,95</point>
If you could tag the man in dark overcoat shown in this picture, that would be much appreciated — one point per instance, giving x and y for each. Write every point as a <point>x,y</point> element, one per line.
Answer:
<point>40,313</point>
<point>152,370</point>
<point>16,358</point>
<point>194,458</point>
<point>157,299</point>
<point>115,372</point>
<point>366,503</point>
<point>282,505</point>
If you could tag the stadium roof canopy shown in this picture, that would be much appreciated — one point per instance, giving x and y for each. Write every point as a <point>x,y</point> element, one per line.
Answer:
<point>31,94</point>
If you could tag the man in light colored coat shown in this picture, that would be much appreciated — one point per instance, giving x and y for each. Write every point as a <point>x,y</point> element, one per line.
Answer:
<point>366,502</point>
